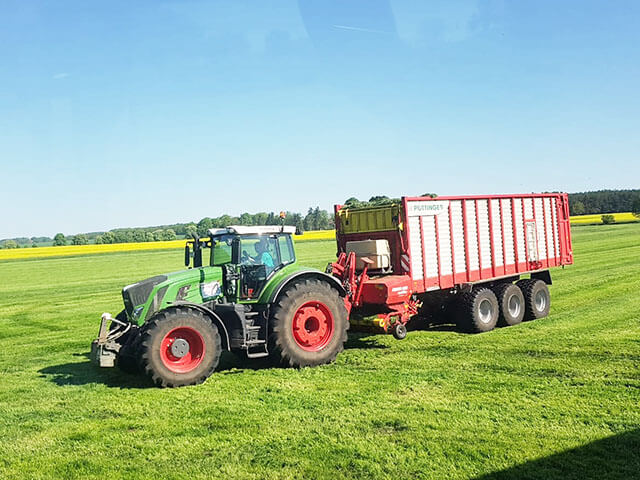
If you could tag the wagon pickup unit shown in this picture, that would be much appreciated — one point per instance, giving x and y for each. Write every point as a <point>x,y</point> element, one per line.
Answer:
<point>481,261</point>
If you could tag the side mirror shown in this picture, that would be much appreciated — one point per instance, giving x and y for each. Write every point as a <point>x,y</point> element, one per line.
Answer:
<point>197,252</point>
<point>187,256</point>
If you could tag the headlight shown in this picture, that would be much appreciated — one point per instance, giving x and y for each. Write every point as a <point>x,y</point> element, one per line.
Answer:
<point>137,312</point>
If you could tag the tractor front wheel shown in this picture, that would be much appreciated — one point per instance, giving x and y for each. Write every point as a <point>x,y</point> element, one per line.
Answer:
<point>127,359</point>
<point>179,347</point>
<point>308,324</point>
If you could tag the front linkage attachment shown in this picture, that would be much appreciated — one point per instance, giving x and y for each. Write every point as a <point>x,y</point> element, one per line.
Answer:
<point>105,348</point>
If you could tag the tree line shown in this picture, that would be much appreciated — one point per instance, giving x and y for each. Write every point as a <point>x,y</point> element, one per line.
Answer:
<point>315,219</point>
<point>604,201</point>
<point>581,203</point>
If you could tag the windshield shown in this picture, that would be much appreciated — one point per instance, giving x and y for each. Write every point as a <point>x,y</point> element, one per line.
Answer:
<point>221,250</point>
<point>269,250</point>
<point>260,250</point>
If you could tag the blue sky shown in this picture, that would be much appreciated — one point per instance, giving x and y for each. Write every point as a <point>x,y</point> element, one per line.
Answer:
<point>117,114</point>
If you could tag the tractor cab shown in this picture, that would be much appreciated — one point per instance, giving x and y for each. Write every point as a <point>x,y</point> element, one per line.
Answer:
<point>248,256</point>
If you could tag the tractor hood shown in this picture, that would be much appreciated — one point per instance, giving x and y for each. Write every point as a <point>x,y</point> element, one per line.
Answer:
<point>137,294</point>
<point>196,285</point>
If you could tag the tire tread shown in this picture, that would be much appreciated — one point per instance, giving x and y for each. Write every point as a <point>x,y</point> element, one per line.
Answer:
<point>282,309</point>
<point>146,340</point>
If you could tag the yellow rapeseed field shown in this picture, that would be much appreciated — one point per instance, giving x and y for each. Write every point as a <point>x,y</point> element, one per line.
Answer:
<point>68,250</point>
<point>597,218</point>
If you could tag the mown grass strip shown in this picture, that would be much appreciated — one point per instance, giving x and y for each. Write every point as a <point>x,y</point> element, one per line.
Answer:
<point>555,398</point>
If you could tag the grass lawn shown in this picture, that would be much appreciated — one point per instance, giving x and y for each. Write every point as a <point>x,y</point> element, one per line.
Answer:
<point>554,398</point>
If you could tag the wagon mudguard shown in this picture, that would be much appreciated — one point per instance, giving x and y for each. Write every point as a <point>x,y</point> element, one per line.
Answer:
<point>544,275</point>
<point>330,279</point>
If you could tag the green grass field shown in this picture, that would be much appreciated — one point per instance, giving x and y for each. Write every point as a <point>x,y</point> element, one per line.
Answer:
<point>554,398</point>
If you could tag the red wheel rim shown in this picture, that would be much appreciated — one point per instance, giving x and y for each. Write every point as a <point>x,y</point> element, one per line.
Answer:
<point>312,326</point>
<point>181,362</point>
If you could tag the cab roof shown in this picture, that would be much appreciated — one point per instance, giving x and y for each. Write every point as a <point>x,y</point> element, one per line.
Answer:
<point>252,230</point>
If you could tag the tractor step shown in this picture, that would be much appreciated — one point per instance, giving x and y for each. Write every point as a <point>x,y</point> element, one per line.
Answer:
<point>263,352</point>
<point>252,333</point>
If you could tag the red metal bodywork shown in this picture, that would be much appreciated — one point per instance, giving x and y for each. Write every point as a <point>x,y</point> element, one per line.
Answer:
<point>496,251</point>
<point>387,290</point>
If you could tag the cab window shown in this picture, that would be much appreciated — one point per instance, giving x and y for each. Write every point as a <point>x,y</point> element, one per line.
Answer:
<point>286,249</point>
<point>259,250</point>
<point>221,250</point>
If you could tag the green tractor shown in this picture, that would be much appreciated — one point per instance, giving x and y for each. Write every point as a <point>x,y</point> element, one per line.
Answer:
<point>252,299</point>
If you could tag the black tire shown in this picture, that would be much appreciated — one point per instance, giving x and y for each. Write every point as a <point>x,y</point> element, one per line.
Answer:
<point>191,327</point>
<point>301,301</point>
<point>128,358</point>
<point>511,303</point>
<point>478,311</point>
<point>537,300</point>
<point>399,331</point>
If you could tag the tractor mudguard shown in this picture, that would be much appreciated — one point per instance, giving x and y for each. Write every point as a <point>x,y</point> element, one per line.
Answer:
<point>224,334</point>
<point>330,279</point>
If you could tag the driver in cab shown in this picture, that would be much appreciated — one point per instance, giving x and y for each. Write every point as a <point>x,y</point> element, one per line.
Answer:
<point>263,257</point>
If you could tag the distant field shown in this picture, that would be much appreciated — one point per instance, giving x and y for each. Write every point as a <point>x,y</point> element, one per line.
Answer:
<point>74,250</point>
<point>595,219</point>
<point>554,399</point>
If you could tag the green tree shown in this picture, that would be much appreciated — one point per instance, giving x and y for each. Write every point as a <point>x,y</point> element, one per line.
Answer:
<point>608,219</point>
<point>59,240</point>
<point>246,219</point>
<point>168,234</point>
<point>98,240</point>
<point>635,207</point>
<point>309,222</point>
<point>204,225</point>
<point>80,239</point>
<point>224,221</point>
<point>9,244</point>
<point>190,229</point>
<point>40,239</point>
<point>260,218</point>
<point>322,220</point>
<point>577,208</point>
<point>108,237</point>
<point>138,236</point>
<point>148,237</point>
<point>272,219</point>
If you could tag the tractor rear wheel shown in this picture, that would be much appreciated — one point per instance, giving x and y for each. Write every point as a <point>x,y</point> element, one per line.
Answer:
<point>511,302</point>
<point>308,324</point>
<point>478,311</point>
<point>178,347</point>
<point>537,300</point>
